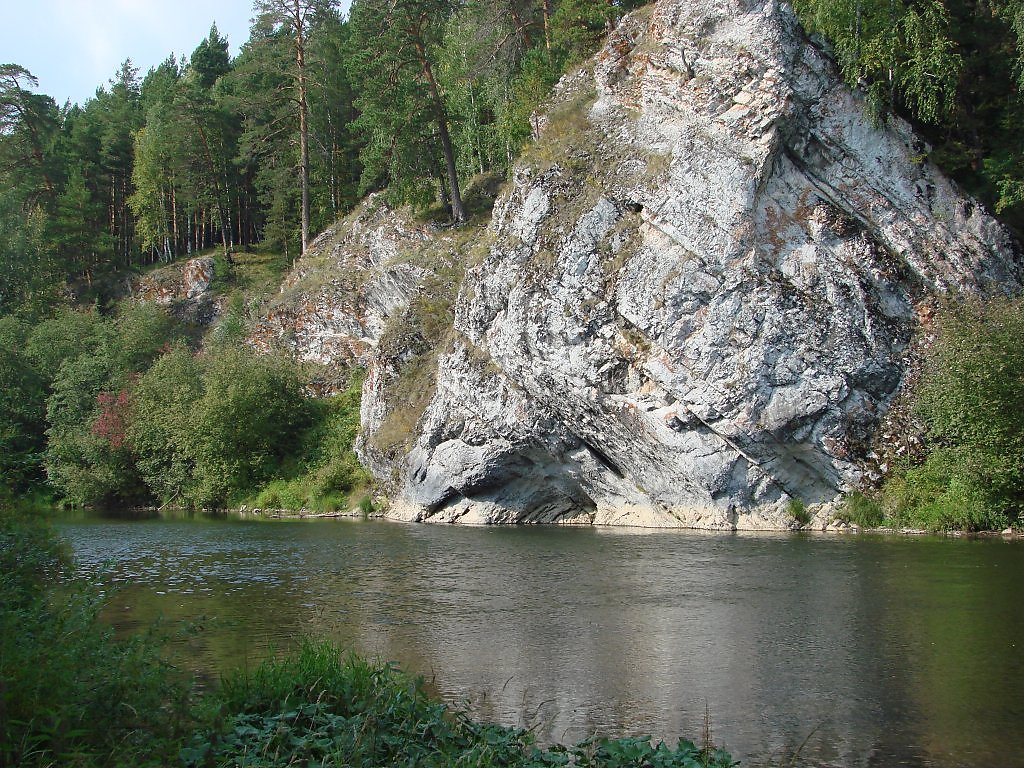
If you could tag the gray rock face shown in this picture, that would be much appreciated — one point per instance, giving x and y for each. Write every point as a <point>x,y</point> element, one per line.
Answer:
<point>184,287</point>
<point>187,281</point>
<point>699,293</point>
<point>335,303</point>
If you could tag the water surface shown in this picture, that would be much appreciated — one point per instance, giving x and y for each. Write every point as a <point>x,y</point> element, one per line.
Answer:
<point>875,651</point>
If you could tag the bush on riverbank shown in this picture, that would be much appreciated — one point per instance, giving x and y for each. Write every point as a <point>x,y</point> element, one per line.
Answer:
<point>325,475</point>
<point>971,400</point>
<point>73,695</point>
<point>123,409</point>
<point>205,429</point>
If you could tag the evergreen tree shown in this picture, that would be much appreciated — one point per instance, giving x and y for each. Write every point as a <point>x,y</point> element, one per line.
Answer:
<point>294,17</point>
<point>257,93</point>
<point>78,226</point>
<point>29,179</point>
<point>210,59</point>
<point>395,48</point>
<point>28,126</point>
<point>334,147</point>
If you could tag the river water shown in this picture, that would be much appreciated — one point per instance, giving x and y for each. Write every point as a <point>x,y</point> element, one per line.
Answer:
<point>865,650</point>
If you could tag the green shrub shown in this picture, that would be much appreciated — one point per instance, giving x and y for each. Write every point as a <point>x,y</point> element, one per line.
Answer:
<point>88,458</point>
<point>161,427</point>
<point>71,693</point>
<point>862,510</point>
<point>247,421</point>
<point>281,494</point>
<point>210,429</point>
<point>64,336</point>
<point>971,399</point>
<point>322,707</point>
<point>944,493</point>
<point>324,471</point>
<point>22,411</point>
<point>797,509</point>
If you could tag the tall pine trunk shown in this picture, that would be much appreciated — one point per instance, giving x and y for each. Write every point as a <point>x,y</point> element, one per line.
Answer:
<point>441,117</point>
<point>300,64</point>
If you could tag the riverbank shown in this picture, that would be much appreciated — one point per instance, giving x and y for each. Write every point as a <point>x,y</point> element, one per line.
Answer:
<point>816,526</point>
<point>323,707</point>
<point>380,513</point>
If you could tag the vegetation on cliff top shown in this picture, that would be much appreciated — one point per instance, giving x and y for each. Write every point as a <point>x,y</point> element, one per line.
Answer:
<point>955,68</point>
<point>272,146</point>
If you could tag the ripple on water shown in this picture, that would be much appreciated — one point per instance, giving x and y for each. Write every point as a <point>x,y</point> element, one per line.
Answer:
<point>880,648</point>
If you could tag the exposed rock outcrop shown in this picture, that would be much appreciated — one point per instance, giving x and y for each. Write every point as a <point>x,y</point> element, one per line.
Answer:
<point>336,301</point>
<point>183,286</point>
<point>375,290</point>
<point>188,280</point>
<point>697,295</point>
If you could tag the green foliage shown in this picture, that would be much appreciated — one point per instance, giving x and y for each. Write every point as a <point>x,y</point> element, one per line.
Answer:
<point>247,421</point>
<point>943,494</point>
<point>327,475</point>
<point>119,411</point>
<point>210,59</point>
<point>29,278</point>
<point>578,26</point>
<point>87,457</point>
<point>60,338</point>
<point>862,510</point>
<point>22,410</point>
<point>403,115</point>
<point>529,88</point>
<point>955,68</point>
<point>161,428</point>
<point>797,509</point>
<point>970,398</point>
<point>71,694</point>
<point>900,49</point>
<point>209,429</point>
<point>321,707</point>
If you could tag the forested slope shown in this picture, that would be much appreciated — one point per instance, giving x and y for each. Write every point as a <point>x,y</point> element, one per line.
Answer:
<point>414,97</point>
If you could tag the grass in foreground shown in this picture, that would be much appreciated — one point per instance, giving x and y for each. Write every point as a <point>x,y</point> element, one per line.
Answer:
<point>322,707</point>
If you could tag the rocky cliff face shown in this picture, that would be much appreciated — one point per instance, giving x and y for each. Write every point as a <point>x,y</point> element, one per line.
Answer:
<point>183,286</point>
<point>695,298</point>
<point>336,301</point>
<point>693,306</point>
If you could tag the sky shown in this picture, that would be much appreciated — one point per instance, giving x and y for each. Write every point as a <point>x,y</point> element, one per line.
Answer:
<point>75,46</point>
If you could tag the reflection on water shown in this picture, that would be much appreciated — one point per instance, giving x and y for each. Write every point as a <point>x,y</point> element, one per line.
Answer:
<point>875,650</point>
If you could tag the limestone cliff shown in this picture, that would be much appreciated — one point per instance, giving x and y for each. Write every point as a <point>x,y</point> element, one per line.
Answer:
<point>336,301</point>
<point>701,286</point>
<point>184,288</point>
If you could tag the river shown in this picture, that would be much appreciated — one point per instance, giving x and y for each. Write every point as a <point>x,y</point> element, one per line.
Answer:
<point>867,650</point>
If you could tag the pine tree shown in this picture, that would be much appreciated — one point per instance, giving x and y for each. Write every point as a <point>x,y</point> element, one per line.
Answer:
<point>295,16</point>
<point>395,47</point>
